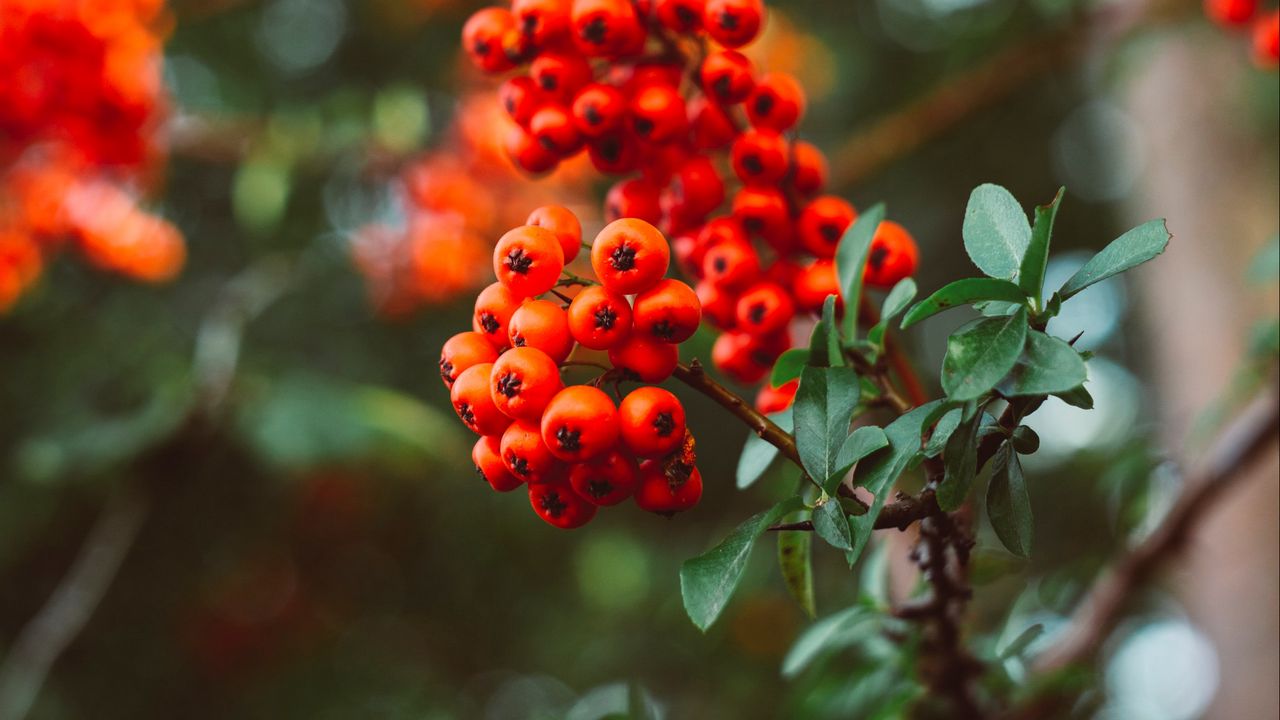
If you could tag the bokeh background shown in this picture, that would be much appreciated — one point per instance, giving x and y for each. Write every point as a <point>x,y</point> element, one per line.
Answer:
<point>322,549</point>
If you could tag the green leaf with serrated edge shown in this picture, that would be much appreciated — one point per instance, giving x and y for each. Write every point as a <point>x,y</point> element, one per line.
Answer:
<point>788,366</point>
<point>1036,259</point>
<point>960,462</point>
<point>708,581</point>
<point>894,303</point>
<point>758,454</point>
<point>995,231</point>
<point>964,292</point>
<point>813,640</point>
<point>851,261</point>
<point>1124,253</point>
<point>879,471</point>
<point>946,425</point>
<point>835,355</point>
<point>981,353</point>
<point>860,443</point>
<point>796,563</point>
<point>1048,365</point>
<point>823,408</point>
<point>1008,504</point>
<point>1022,642</point>
<point>830,525</point>
<point>1076,396</point>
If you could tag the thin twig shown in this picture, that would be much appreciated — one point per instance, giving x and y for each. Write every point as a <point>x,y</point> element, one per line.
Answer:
<point>897,515</point>
<point>696,378</point>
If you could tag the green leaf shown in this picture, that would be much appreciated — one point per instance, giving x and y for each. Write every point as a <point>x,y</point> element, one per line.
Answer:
<point>796,563</point>
<point>823,408</point>
<point>996,231</point>
<point>981,353</point>
<point>708,581</point>
<point>1077,396</point>
<point>894,303</point>
<point>1022,642</point>
<point>1264,268</point>
<point>758,454</point>
<point>946,425</point>
<point>960,463</point>
<point>1008,504</point>
<point>964,292</point>
<point>819,342</point>
<point>1124,253</point>
<point>851,261</point>
<point>788,366</point>
<point>1048,365</point>
<point>997,308</point>
<point>835,354</point>
<point>881,469</point>
<point>830,524</point>
<point>1031,272</point>
<point>860,443</point>
<point>814,640</point>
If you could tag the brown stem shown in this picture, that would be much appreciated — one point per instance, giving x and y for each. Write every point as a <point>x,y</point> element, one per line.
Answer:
<point>696,377</point>
<point>900,514</point>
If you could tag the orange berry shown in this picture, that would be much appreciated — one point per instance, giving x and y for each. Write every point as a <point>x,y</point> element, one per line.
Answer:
<point>814,283</point>
<point>565,225</point>
<point>669,311</point>
<point>645,358</point>
<point>822,224</point>
<point>764,309</point>
<point>472,401</point>
<point>528,260</point>
<point>777,102</point>
<point>652,422</point>
<point>629,256</point>
<point>487,457</point>
<point>731,265</point>
<point>606,480</point>
<point>733,23</point>
<point>541,324</point>
<point>559,505</point>
<point>523,381</point>
<point>461,352</point>
<point>662,494</point>
<point>580,423</point>
<point>892,257</point>
<point>772,399</point>
<point>525,455</point>
<point>494,307</point>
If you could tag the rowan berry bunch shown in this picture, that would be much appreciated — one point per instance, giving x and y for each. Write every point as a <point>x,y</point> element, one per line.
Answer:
<point>571,445</point>
<point>660,92</point>
<point>1262,25</point>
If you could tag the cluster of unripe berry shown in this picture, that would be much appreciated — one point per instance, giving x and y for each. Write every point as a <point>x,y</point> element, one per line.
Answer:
<point>637,86</point>
<point>572,447</point>
<point>1263,26</point>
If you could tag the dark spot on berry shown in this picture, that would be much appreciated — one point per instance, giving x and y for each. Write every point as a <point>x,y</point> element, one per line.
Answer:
<point>547,143</point>
<point>728,20</point>
<point>481,48</point>
<point>664,424</point>
<point>480,472</point>
<point>627,373</point>
<point>753,224</point>
<point>752,164</point>
<point>519,465</point>
<point>548,82</point>
<point>467,414</point>
<point>761,357</point>
<point>720,264</point>
<point>643,126</point>
<point>518,340</point>
<point>488,322</point>
<point>550,502</point>
<point>519,261</point>
<point>592,115</point>
<point>509,384</point>
<point>596,31</point>
<point>720,86</point>
<point>623,258</point>
<point>611,149</point>
<point>877,257</point>
<point>605,318</point>
<point>446,371</point>
<point>599,488</point>
<point>764,104</point>
<point>829,232</point>
<point>569,440</point>
<point>686,16</point>
<point>663,330</point>
<point>510,104</point>
<point>614,210</point>
<point>529,24</point>
<point>756,313</point>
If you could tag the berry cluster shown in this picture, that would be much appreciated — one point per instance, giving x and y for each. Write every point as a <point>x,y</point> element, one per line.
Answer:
<point>572,447</point>
<point>1263,26</point>
<point>638,87</point>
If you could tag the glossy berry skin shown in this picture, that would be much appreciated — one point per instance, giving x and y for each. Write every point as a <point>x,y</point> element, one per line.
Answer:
<point>629,256</point>
<point>635,198</point>
<point>523,381</point>
<point>561,221</point>
<point>599,318</point>
<point>733,23</point>
<point>606,28</point>
<point>492,316</point>
<point>605,480</point>
<point>822,223</point>
<point>560,75</point>
<point>658,493</point>
<point>1266,40</point>
<point>652,422</point>
<point>644,358</point>
<point>554,130</point>
<point>541,324</point>
<point>525,455</point>
<point>559,505</point>
<point>482,37</point>
<point>695,188</point>
<point>542,21</point>
<point>486,455</point>
<point>1231,13</point>
<point>527,153</point>
<point>599,109</point>
<point>463,351</point>
<point>777,102</point>
<point>763,211</point>
<point>658,113</point>
<point>521,98</point>
<point>772,399</point>
<point>528,260</point>
<point>809,169</point>
<point>682,16</point>
<point>747,358</point>
<point>892,257</point>
<point>764,309</point>
<point>712,127</point>
<point>719,307</point>
<point>728,76</point>
<point>471,400</point>
<point>760,157</point>
<point>731,265</point>
<point>614,153</point>
<point>580,423</point>
<point>814,283</point>
<point>669,311</point>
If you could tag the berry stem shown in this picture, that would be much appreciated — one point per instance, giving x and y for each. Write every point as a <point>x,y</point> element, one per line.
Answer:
<point>569,280</point>
<point>695,377</point>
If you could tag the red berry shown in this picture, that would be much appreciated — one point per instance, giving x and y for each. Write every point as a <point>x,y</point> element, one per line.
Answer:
<point>521,98</point>
<point>580,423</point>
<point>629,256</point>
<point>777,102</point>
<point>660,493</point>
<point>487,457</point>
<point>542,21</point>
<point>606,480</point>
<point>526,152</point>
<point>525,455</point>
<point>633,198</point>
<point>614,154</point>
<point>814,283</point>
<point>669,311</point>
<point>733,23</point>
<point>1266,40</point>
<point>553,128</point>
<point>658,113</point>
<point>682,16</point>
<point>599,318</point>
<point>764,212</point>
<point>599,109</point>
<point>731,265</point>
<point>772,399</point>
<point>541,324</point>
<point>892,257</point>
<point>764,309</point>
<point>565,225</point>
<point>822,224</point>
<point>461,352</point>
<point>494,307</point>
<point>760,157</point>
<point>719,307</point>
<point>652,422</point>
<point>482,38</point>
<point>1230,13</point>
<point>727,75</point>
<point>747,358</point>
<point>644,358</point>
<point>808,168</point>
<point>528,260</point>
<point>471,400</point>
<point>712,126</point>
<point>523,381</point>
<point>607,28</point>
<point>560,506</point>
<point>695,190</point>
<point>560,75</point>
